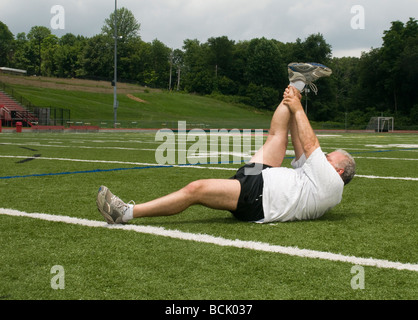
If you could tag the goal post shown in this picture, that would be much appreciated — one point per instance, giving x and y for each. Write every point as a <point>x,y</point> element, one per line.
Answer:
<point>381,124</point>
<point>385,124</point>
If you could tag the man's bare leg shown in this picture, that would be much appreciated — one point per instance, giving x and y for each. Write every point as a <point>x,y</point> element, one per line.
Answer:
<point>294,133</point>
<point>219,194</point>
<point>297,146</point>
<point>274,149</point>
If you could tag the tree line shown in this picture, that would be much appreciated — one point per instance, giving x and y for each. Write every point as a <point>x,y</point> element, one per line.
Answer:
<point>252,72</point>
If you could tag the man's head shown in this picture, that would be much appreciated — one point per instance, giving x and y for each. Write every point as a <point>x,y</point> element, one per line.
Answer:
<point>343,163</point>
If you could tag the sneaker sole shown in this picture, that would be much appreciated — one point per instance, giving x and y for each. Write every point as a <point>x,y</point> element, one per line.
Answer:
<point>101,203</point>
<point>308,67</point>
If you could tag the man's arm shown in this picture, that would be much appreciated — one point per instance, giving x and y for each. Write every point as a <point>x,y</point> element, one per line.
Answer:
<point>308,140</point>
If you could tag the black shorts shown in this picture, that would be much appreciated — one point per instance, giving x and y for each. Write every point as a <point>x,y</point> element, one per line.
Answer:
<point>250,202</point>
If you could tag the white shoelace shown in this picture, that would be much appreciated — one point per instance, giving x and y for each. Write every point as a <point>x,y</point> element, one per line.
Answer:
<point>313,87</point>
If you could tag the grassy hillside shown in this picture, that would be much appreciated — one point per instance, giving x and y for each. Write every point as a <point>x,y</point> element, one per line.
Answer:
<point>92,101</point>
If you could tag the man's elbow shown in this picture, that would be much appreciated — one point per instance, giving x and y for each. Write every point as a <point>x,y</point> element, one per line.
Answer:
<point>309,148</point>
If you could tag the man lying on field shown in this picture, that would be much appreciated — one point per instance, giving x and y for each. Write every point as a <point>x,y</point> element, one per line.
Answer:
<point>262,191</point>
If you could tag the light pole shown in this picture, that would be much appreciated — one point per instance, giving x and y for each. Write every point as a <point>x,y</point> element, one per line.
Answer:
<point>306,101</point>
<point>115,98</point>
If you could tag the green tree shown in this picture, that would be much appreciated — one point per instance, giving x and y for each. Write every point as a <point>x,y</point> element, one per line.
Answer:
<point>264,64</point>
<point>68,56</point>
<point>130,64</point>
<point>197,76</point>
<point>388,74</point>
<point>23,54</point>
<point>313,49</point>
<point>127,26</point>
<point>49,47</point>
<point>36,37</point>
<point>7,45</point>
<point>345,86</point>
<point>97,58</point>
<point>160,63</point>
<point>142,63</point>
<point>237,71</point>
<point>408,64</point>
<point>177,62</point>
<point>220,55</point>
<point>371,80</point>
<point>127,38</point>
<point>316,49</point>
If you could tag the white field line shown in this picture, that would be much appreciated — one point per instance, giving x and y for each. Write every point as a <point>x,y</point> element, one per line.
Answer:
<point>174,147</point>
<point>83,160</point>
<point>204,238</point>
<point>386,178</point>
<point>120,162</point>
<point>384,158</point>
<point>180,166</point>
<point>64,146</point>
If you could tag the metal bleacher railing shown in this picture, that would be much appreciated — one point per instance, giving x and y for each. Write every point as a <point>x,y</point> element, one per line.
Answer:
<point>14,108</point>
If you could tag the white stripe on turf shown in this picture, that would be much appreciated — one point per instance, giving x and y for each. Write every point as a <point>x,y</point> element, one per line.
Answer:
<point>181,166</point>
<point>259,246</point>
<point>387,178</point>
<point>385,158</point>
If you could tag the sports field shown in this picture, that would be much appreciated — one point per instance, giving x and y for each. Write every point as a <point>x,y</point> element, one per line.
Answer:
<point>55,244</point>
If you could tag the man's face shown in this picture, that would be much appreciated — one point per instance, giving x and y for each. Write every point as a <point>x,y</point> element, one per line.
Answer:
<point>335,158</point>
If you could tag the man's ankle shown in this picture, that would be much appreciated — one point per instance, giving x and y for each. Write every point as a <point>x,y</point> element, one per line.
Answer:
<point>300,85</point>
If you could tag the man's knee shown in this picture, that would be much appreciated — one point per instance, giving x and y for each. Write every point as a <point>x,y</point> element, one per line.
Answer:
<point>281,137</point>
<point>194,188</point>
<point>278,140</point>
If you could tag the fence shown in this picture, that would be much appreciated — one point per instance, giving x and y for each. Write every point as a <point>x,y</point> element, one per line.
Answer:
<point>49,116</point>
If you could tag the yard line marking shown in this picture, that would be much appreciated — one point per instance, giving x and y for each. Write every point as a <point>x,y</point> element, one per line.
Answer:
<point>387,178</point>
<point>148,166</point>
<point>384,158</point>
<point>204,238</point>
<point>404,146</point>
<point>86,160</point>
<point>62,146</point>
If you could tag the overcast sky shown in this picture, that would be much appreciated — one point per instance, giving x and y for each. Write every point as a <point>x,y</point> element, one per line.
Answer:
<point>349,26</point>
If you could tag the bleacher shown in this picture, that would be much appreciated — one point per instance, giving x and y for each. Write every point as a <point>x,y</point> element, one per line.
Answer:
<point>11,111</point>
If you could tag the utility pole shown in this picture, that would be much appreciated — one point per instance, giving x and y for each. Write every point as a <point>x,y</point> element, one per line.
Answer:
<point>115,97</point>
<point>178,78</point>
<point>171,69</point>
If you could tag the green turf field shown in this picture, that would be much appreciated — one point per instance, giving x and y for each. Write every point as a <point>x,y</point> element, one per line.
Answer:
<point>377,219</point>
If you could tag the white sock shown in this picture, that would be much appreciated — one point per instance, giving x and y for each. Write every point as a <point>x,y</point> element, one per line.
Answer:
<point>300,85</point>
<point>129,213</point>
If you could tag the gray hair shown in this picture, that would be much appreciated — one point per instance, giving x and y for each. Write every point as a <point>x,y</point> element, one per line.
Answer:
<point>349,166</point>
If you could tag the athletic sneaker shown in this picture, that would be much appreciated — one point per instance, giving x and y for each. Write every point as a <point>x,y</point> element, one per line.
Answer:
<point>110,206</point>
<point>308,73</point>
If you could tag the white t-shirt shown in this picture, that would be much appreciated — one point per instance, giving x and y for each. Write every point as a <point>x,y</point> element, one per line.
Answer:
<point>306,192</point>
